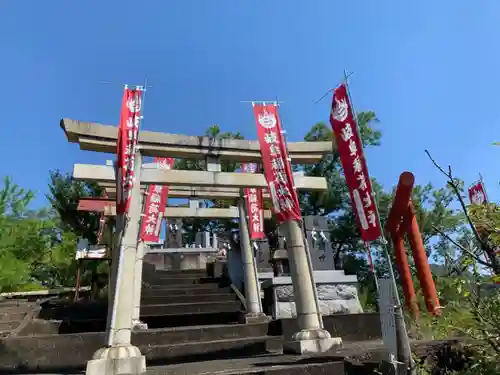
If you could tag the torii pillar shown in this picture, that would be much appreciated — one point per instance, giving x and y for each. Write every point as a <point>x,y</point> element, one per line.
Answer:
<point>254,313</point>
<point>120,356</point>
<point>402,220</point>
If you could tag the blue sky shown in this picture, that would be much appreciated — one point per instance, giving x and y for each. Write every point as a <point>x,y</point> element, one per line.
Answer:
<point>429,70</point>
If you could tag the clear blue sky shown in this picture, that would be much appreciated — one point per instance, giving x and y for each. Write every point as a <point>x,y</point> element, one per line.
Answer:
<point>429,70</point>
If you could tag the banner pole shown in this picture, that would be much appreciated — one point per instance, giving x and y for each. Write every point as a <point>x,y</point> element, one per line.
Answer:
<point>484,187</point>
<point>401,332</point>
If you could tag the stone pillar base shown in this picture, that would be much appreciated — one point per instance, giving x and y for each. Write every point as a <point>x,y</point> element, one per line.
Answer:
<point>311,341</point>
<point>253,318</point>
<point>311,346</point>
<point>137,325</point>
<point>117,360</point>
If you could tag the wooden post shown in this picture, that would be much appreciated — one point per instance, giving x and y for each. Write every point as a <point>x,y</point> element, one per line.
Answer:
<point>404,273</point>
<point>78,282</point>
<point>421,262</point>
<point>401,200</point>
<point>398,209</point>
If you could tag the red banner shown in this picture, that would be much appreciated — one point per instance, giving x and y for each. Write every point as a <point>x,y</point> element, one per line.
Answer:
<point>477,193</point>
<point>254,202</point>
<point>154,206</point>
<point>351,154</point>
<point>277,167</point>
<point>128,134</point>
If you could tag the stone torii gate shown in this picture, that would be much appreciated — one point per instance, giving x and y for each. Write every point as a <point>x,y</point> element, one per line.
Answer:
<point>108,207</point>
<point>120,356</point>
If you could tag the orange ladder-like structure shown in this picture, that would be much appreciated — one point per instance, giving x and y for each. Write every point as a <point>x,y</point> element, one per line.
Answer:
<point>402,220</point>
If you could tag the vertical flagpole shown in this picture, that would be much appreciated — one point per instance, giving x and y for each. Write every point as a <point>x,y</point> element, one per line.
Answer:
<point>484,187</point>
<point>401,332</point>
<point>306,244</point>
<point>372,265</point>
<point>78,282</point>
<point>121,223</point>
<point>486,256</point>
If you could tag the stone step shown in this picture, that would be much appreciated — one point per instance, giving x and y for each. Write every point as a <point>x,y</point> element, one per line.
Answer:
<point>211,350</point>
<point>98,324</point>
<point>16,302</point>
<point>332,362</point>
<point>190,308</point>
<point>168,299</point>
<point>70,353</point>
<point>187,320</point>
<point>191,285</point>
<point>9,316</point>
<point>169,292</point>
<point>14,309</point>
<point>9,325</point>
<point>183,280</point>
<point>170,273</point>
<point>267,364</point>
<point>180,335</point>
<point>173,287</point>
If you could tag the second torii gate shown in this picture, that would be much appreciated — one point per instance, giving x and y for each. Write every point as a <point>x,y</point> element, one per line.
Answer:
<point>108,207</point>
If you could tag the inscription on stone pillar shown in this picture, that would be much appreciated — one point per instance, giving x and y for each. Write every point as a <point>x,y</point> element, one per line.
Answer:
<point>318,238</point>
<point>263,257</point>
<point>174,234</point>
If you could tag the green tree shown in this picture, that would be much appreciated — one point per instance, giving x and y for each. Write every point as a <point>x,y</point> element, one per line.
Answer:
<point>26,238</point>
<point>479,239</point>
<point>64,195</point>
<point>192,226</point>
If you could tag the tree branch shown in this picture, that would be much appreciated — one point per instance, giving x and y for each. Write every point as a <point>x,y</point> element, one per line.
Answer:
<point>456,190</point>
<point>463,248</point>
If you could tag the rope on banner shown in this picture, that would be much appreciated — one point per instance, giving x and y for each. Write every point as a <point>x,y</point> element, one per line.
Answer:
<point>329,91</point>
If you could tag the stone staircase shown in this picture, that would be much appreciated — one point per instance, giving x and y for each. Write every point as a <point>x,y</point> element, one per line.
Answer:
<point>193,330</point>
<point>187,298</point>
<point>12,315</point>
<point>202,318</point>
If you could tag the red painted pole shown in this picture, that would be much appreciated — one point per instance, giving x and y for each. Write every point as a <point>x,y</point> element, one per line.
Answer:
<point>401,200</point>
<point>421,262</point>
<point>404,273</point>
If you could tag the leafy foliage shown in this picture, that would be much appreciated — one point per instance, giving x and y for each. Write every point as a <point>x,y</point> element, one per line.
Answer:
<point>192,226</point>
<point>27,238</point>
<point>65,193</point>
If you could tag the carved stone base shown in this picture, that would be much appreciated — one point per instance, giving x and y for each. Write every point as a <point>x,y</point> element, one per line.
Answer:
<point>253,318</point>
<point>311,341</point>
<point>137,325</point>
<point>117,360</point>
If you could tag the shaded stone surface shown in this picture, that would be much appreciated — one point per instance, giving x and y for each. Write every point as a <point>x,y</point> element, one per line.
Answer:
<point>317,234</point>
<point>263,257</point>
<point>351,327</point>
<point>333,299</point>
<point>174,234</point>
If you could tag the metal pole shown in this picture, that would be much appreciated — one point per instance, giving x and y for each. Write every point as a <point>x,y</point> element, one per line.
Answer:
<point>77,286</point>
<point>402,333</point>
<point>484,187</point>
